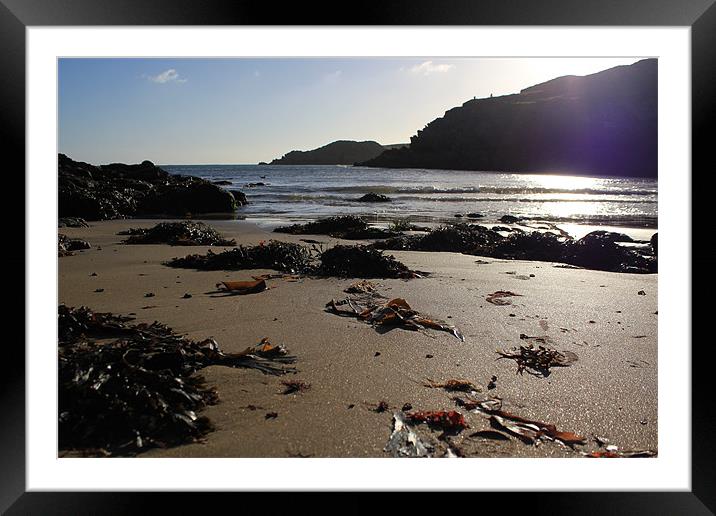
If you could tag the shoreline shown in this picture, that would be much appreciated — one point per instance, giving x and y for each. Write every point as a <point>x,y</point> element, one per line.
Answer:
<point>611,391</point>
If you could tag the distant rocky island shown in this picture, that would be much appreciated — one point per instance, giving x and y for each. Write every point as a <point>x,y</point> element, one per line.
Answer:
<point>342,152</point>
<point>602,124</point>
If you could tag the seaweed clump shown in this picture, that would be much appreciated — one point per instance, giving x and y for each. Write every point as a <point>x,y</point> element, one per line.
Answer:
<point>361,262</point>
<point>177,233</point>
<point>281,256</point>
<point>348,227</point>
<point>339,261</point>
<point>455,238</point>
<point>124,387</point>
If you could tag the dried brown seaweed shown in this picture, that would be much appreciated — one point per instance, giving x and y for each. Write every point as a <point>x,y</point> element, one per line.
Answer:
<point>242,287</point>
<point>449,421</point>
<point>498,298</point>
<point>538,361</point>
<point>294,386</point>
<point>387,314</point>
<point>528,430</point>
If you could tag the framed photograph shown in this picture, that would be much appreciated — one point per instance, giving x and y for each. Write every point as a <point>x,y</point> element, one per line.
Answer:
<point>272,251</point>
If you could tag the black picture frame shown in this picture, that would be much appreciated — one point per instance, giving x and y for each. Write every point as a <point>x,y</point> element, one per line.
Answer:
<point>700,15</point>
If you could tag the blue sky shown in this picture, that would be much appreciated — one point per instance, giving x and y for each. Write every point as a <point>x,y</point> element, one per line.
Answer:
<point>200,111</point>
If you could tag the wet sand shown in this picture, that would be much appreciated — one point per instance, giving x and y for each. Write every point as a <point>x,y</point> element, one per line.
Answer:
<point>611,391</point>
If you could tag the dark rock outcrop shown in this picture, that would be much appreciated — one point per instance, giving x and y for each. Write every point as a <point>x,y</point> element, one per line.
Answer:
<point>118,190</point>
<point>655,243</point>
<point>239,197</point>
<point>374,197</point>
<point>599,124</point>
<point>342,152</point>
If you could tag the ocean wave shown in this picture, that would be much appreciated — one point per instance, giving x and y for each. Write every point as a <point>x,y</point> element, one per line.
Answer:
<point>317,198</point>
<point>387,189</point>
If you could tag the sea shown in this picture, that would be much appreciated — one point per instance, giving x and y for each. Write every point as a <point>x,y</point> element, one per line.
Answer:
<point>577,204</point>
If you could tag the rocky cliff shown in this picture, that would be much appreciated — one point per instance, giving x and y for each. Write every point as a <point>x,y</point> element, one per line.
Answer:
<point>599,124</point>
<point>342,152</point>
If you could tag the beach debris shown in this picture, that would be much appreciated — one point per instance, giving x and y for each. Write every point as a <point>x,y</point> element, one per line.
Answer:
<point>348,227</point>
<point>493,383</point>
<point>66,245</point>
<point>403,441</point>
<point>489,434</point>
<point>99,290</point>
<point>149,294</point>
<point>449,421</point>
<point>126,387</point>
<point>499,298</point>
<point>453,385</point>
<point>294,386</point>
<point>406,407</point>
<point>388,314</point>
<point>376,354</point>
<point>538,361</point>
<point>641,293</point>
<point>360,287</point>
<point>186,232</point>
<point>242,287</point>
<point>271,415</point>
<point>382,406</point>
<point>281,256</point>
<point>186,295</point>
<point>528,430</point>
<point>619,454</point>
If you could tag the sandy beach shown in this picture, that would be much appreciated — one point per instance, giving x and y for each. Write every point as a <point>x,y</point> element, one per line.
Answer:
<point>609,392</point>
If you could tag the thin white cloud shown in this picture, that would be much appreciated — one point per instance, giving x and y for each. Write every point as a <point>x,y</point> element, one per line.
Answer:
<point>170,75</point>
<point>428,67</point>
